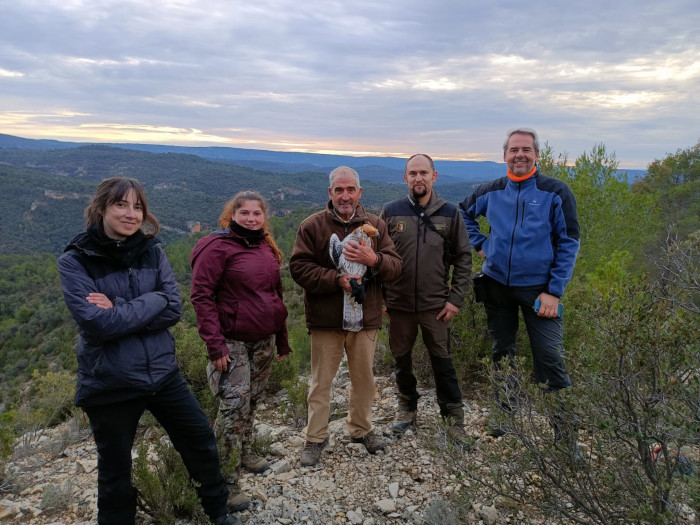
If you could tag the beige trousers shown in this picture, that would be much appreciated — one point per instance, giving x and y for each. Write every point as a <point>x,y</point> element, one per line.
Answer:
<point>327,348</point>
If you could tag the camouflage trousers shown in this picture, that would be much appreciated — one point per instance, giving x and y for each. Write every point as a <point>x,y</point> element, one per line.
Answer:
<point>238,390</point>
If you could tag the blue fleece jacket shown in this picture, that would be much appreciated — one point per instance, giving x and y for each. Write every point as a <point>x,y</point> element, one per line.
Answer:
<point>534,231</point>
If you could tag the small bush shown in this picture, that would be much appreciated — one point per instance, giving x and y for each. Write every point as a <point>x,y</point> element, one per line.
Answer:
<point>192,359</point>
<point>55,498</point>
<point>52,399</point>
<point>294,408</point>
<point>165,490</point>
<point>282,371</point>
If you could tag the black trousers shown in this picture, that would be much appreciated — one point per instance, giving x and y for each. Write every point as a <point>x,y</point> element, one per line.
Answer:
<point>114,427</point>
<point>546,335</point>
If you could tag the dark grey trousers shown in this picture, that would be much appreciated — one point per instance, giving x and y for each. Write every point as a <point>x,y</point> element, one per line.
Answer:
<point>546,335</point>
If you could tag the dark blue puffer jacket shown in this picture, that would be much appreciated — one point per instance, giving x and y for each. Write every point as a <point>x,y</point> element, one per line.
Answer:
<point>534,231</point>
<point>126,351</point>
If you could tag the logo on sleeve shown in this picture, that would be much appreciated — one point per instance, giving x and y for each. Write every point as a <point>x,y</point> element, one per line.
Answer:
<point>400,226</point>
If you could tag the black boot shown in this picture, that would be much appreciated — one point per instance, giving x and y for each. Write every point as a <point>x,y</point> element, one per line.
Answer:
<point>565,425</point>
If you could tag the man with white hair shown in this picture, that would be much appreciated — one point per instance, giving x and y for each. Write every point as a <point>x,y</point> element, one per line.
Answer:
<point>324,287</point>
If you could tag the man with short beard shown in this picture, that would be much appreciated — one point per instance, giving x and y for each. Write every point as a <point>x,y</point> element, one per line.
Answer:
<point>430,236</point>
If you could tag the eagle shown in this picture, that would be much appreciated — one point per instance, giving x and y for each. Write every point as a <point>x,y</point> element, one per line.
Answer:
<point>352,301</point>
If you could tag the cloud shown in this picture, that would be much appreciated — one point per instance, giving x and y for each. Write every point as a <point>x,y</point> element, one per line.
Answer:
<point>447,77</point>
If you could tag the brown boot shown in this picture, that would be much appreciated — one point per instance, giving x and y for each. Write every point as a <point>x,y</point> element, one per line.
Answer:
<point>237,499</point>
<point>405,415</point>
<point>252,462</point>
<point>453,414</point>
<point>311,453</point>
<point>372,442</point>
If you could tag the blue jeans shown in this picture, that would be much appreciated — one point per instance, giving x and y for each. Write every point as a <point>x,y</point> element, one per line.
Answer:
<point>546,335</point>
<point>114,428</point>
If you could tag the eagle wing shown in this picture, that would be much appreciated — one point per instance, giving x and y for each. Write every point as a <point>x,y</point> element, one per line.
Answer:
<point>335,249</point>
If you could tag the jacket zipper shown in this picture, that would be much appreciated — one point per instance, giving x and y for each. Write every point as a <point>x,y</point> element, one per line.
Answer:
<point>415,284</point>
<point>141,337</point>
<point>512,236</point>
<point>522,217</point>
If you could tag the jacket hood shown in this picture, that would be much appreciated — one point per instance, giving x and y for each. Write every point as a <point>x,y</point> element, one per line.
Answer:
<point>225,234</point>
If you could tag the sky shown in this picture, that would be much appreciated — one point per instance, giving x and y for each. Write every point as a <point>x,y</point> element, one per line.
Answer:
<point>355,77</point>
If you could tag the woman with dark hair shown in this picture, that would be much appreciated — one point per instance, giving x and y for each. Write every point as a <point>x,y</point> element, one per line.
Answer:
<point>121,291</point>
<point>237,296</point>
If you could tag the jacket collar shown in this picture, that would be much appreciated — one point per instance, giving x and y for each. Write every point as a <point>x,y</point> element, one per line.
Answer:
<point>359,217</point>
<point>530,180</point>
<point>434,203</point>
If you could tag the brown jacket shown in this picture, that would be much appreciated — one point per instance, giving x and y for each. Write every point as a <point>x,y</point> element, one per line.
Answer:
<point>425,279</point>
<point>312,269</point>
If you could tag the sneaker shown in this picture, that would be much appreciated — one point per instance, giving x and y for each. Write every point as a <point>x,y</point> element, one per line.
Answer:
<point>311,453</point>
<point>227,519</point>
<point>252,462</point>
<point>237,499</point>
<point>403,420</point>
<point>372,442</point>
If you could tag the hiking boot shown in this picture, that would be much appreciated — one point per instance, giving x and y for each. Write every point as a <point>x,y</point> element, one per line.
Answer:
<point>252,462</point>
<point>311,453</point>
<point>237,500</point>
<point>372,442</point>
<point>227,519</point>
<point>577,455</point>
<point>496,431</point>
<point>565,425</point>
<point>404,419</point>
<point>459,437</point>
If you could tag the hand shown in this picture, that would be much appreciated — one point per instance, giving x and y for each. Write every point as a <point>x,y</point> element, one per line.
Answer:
<point>344,281</point>
<point>100,300</point>
<point>481,252</point>
<point>447,313</point>
<point>281,357</point>
<point>549,305</point>
<point>221,364</point>
<point>360,252</point>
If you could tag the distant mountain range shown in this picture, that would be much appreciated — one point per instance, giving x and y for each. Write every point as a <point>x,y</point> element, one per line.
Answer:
<point>380,169</point>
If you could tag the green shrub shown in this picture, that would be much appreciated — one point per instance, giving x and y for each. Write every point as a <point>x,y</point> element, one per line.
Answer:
<point>295,409</point>
<point>192,359</point>
<point>165,490</point>
<point>55,498</point>
<point>285,370</point>
<point>635,399</point>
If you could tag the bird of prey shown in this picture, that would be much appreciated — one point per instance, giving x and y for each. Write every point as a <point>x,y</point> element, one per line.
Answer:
<point>352,303</point>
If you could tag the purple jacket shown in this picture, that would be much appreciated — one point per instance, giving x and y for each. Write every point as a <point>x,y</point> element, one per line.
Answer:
<point>237,292</point>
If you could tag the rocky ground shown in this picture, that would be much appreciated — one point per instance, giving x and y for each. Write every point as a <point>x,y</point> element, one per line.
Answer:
<point>54,474</point>
<point>57,469</point>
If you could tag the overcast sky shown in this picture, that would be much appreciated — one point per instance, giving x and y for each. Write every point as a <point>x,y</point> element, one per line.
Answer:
<point>379,77</point>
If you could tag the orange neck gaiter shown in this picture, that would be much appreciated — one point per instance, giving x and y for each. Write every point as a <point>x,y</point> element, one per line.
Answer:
<point>520,178</point>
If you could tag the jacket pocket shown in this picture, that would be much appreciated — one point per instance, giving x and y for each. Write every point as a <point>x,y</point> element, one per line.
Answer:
<point>228,315</point>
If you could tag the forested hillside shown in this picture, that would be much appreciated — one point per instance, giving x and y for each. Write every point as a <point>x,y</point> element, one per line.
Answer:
<point>632,321</point>
<point>50,188</point>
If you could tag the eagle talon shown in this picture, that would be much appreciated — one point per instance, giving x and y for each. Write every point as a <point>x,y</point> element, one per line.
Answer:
<point>358,291</point>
